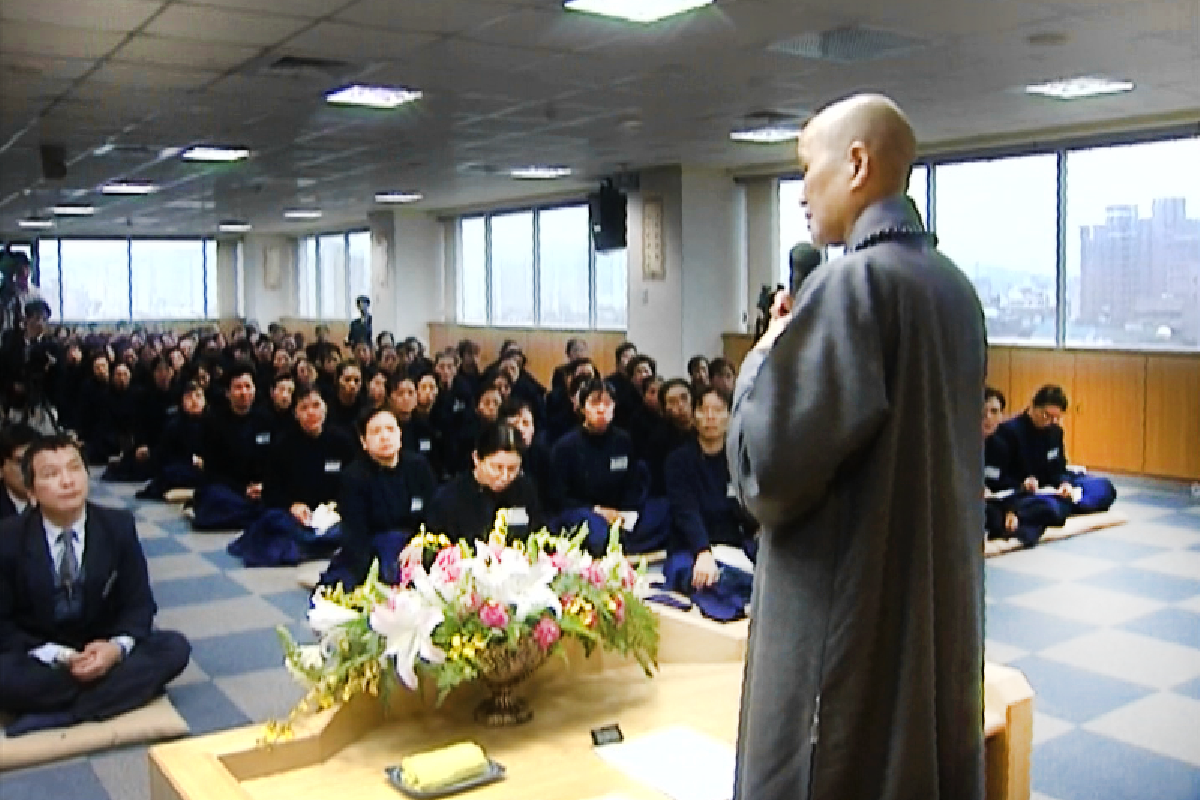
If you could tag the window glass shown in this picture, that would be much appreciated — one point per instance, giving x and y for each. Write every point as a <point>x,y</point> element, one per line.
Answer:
<point>472,282</point>
<point>332,303</point>
<point>512,268</point>
<point>998,221</point>
<point>95,279</point>
<point>306,277</point>
<point>1133,245</point>
<point>240,275</point>
<point>168,279</point>
<point>48,275</point>
<point>212,295</point>
<point>564,251</point>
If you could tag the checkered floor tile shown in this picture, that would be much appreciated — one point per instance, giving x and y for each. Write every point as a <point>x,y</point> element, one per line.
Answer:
<point>1106,627</point>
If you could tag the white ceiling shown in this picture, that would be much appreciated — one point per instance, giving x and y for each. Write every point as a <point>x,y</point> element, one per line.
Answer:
<point>514,82</point>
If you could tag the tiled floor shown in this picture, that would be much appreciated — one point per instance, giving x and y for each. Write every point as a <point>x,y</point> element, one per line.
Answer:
<point>1106,626</point>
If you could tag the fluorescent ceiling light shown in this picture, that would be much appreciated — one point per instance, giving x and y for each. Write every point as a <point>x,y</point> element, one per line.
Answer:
<point>73,211</point>
<point>372,96</point>
<point>232,226</point>
<point>214,154</point>
<point>398,197</point>
<point>129,188</point>
<point>35,224</point>
<point>769,135</point>
<point>636,10</point>
<point>1078,88</point>
<point>302,213</point>
<point>539,173</point>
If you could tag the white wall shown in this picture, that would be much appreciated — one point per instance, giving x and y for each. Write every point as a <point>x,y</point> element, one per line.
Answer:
<point>656,306</point>
<point>762,241</point>
<point>710,261</point>
<point>270,268</point>
<point>417,275</point>
<point>226,298</point>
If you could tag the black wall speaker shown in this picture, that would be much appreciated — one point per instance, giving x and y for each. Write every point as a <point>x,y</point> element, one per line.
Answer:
<point>54,162</point>
<point>608,210</point>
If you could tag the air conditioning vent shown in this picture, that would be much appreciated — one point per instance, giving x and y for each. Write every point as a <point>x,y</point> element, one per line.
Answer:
<point>848,45</point>
<point>302,66</point>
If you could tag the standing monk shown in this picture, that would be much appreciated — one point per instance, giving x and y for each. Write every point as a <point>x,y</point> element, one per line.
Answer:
<point>855,443</point>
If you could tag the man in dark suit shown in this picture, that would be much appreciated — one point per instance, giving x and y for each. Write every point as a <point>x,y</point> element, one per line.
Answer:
<point>76,610</point>
<point>14,497</point>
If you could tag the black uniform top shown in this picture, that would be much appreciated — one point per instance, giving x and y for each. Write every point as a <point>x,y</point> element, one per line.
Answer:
<point>995,462</point>
<point>704,507</point>
<point>182,438</point>
<point>155,409</point>
<point>591,470</point>
<point>1032,451</point>
<point>345,416</point>
<point>466,511</point>
<point>236,447</point>
<point>528,389</point>
<point>419,436</point>
<point>307,469</point>
<point>662,438</point>
<point>375,499</point>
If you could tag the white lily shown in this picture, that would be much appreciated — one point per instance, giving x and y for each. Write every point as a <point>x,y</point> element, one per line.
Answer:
<point>511,580</point>
<point>326,615</point>
<point>406,622</point>
<point>310,657</point>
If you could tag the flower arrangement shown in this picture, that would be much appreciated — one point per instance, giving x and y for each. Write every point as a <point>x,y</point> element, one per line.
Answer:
<point>459,610</point>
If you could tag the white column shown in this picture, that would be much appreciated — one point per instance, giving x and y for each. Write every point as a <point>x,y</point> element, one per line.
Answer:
<point>415,278</point>
<point>762,242</point>
<point>227,278</point>
<point>711,241</point>
<point>270,269</point>
<point>655,316</point>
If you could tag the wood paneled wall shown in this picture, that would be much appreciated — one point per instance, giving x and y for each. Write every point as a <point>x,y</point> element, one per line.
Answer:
<point>544,349</point>
<point>1136,413</point>
<point>338,329</point>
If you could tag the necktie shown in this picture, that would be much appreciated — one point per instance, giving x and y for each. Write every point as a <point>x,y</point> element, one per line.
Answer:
<point>68,563</point>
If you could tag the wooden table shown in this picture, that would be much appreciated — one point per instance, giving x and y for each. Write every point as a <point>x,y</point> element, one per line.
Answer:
<point>342,753</point>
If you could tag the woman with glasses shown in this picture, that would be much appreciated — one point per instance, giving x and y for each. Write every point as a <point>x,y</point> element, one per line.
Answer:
<point>465,509</point>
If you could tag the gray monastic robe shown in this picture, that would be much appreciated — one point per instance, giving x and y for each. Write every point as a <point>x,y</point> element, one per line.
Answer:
<point>855,443</point>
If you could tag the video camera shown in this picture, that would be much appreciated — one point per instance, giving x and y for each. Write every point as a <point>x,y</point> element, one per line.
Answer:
<point>766,299</point>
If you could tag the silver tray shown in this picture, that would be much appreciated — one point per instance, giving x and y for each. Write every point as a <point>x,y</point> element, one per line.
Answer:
<point>495,772</point>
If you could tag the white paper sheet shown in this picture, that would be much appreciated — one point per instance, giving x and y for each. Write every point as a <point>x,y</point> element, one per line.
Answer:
<point>734,557</point>
<point>680,762</point>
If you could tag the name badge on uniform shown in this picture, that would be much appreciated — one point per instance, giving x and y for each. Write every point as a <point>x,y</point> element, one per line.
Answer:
<point>991,473</point>
<point>333,466</point>
<point>263,438</point>
<point>459,405</point>
<point>417,504</point>
<point>517,516</point>
<point>171,410</point>
<point>425,445</point>
<point>731,490</point>
<point>618,464</point>
<point>1053,454</point>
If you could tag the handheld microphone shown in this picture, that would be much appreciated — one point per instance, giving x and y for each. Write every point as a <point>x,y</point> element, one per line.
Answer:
<point>803,259</point>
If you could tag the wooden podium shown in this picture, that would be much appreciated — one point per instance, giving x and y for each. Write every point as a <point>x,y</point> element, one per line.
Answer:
<point>343,752</point>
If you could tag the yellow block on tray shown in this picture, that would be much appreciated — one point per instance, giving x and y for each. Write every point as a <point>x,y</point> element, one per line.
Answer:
<point>438,769</point>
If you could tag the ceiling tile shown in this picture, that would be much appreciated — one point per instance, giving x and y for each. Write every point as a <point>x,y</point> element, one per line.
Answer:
<point>145,49</point>
<point>117,75</point>
<point>220,25</point>
<point>55,41</point>
<point>298,8</point>
<point>352,42</point>
<point>443,16</point>
<point>23,65</point>
<point>95,15</point>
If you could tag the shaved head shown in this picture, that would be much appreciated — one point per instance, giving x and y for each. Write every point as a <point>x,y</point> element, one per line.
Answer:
<point>853,153</point>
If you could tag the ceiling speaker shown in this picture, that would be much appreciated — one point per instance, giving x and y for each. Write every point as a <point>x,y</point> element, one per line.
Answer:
<point>54,162</point>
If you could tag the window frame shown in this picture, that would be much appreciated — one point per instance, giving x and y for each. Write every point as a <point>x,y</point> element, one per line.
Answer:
<point>318,304</point>
<point>536,210</point>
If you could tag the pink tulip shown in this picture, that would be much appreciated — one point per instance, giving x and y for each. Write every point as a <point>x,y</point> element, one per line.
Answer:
<point>493,615</point>
<point>546,632</point>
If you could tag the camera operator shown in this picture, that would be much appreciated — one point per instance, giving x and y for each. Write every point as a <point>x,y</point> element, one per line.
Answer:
<point>29,364</point>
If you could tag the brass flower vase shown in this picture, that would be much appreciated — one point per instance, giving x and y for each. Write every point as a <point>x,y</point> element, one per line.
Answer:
<point>502,669</point>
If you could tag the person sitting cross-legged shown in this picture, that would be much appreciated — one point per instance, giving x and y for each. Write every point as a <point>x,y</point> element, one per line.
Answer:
<point>178,459</point>
<point>1035,457</point>
<point>77,642</point>
<point>303,472</point>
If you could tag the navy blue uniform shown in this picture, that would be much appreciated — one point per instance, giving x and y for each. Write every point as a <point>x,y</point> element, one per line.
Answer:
<point>381,509</point>
<point>466,511</point>
<point>419,437</point>
<point>235,454</point>
<point>596,470</point>
<point>1025,450</point>
<point>704,508</point>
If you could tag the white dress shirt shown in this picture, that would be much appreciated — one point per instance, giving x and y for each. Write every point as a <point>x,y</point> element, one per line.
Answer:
<point>17,502</point>
<point>52,653</point>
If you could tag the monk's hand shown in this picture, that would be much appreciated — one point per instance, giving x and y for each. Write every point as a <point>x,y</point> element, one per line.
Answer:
<point>96,660</point>
<point>254,491</point>
<point>705,572</point>
<point>1031,484</point>
<point>302,513</point>
<point>774,329</point>
<point>142,453</point>
<point>197,462</point>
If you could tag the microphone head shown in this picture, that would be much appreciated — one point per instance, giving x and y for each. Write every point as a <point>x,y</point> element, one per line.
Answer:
<point>802,260</point>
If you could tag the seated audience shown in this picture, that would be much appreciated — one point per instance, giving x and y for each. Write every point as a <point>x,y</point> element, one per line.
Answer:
<point>417,433</point>
<point>459,449</point>
<point>1033,457</point>
<point>283,390</point>
<point>382,501</point>
<point>178,460</point>
<point>596,476</point>
<point>535,460</point>
<point>377,393</point>
<point>704,508</point>
<point>722,374</point>
<point>561,414</point>
<point>303,471</point>
<point>469,378</point>
<point>152,407</point>
<point>14,441</point>
<point>576,349</point>
<point>237,437</point>
<point>346,403</point>
<point>629,395</point>
<point>465,508</point>
<point>77,642</point>
<point>697,369</point>
<point>675,427</point>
